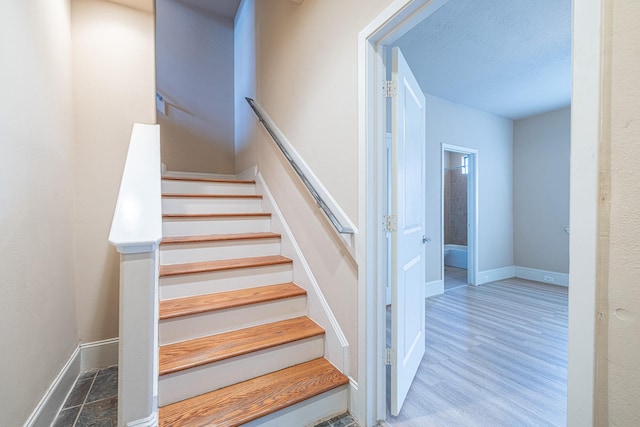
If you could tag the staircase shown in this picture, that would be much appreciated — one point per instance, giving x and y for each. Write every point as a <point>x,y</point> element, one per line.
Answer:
<point>236,346</point>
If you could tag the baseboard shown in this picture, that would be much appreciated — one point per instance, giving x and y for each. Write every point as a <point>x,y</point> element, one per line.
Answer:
<point>248,174</point>
<point>336,344</point>
<point>45,413</point>
<point>85,357</point>
<point>355,400</point>
<point>502,273</point>
<point>99,354</point>
<point>544,276</point>
<point>433,288</point>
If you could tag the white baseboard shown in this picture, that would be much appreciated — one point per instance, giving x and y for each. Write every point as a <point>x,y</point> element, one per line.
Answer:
<point>99,354</point>
<point>248,174</point>
<point>502,273</point>
<point>85,357</point>
<point>544,276</point>
<point>433,288</point>
<point>45,413</point>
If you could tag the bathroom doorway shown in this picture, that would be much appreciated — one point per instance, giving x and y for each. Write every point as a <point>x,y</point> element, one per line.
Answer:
<point>459,214</point>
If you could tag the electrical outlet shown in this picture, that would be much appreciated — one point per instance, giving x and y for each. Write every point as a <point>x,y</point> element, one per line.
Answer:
<point>485,279</point>
<point>548,279</point>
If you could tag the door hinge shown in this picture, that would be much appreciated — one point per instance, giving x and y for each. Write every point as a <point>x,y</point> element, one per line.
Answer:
<point>388,356</point>
<point>391,223</point>
<point>390,88</point>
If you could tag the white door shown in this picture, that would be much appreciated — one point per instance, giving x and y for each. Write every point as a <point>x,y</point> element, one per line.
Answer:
<point>407,245</point>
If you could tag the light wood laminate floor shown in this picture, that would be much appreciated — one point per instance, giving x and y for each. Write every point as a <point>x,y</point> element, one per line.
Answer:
<point>496,356</point>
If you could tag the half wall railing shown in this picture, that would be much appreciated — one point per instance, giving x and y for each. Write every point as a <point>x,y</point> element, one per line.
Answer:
<point>136,232</point>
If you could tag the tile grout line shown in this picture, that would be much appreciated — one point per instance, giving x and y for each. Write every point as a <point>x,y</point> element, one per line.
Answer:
<point>85,398</point>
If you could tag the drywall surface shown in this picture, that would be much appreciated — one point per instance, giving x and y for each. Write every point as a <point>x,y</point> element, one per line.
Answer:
<point>195,67</point>
<point>306,80</point>
<point>245,85</point>
<point>38,315</point>
<point>541,148</point>
<point>113,87</point>
<point>618,340</point>
<point>492,136</point>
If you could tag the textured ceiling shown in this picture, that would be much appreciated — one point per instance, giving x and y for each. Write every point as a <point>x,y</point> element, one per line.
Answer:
<point>225,8</point>
<point>511,58</point>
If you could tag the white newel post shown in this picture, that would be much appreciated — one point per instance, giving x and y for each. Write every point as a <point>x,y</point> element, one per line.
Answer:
<point>136,232</point>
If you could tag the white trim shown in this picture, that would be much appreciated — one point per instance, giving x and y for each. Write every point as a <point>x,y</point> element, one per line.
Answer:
<point>85,357</point>
<point>248,174</point>
<point>492,275</point>
<point>561,279</point>
<point>150,421</point>
<point>433,288</point>
<point>137,220</point>
<point>98,354</point>
<point>336,344</point>
<point>47,409</point>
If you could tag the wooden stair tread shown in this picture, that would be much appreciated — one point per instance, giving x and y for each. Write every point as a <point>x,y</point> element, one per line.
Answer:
<point>173,308</point>
<point>244,402</point>
<point>218,238</point>
<point>218,215</point>
<point>201,351</point>
<point>220,265</point>
<point>211,196</point>
<point>203,179</point>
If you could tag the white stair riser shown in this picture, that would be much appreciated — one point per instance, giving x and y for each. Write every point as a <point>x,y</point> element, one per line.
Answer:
<point>309,412</point>
<point>197,226</point>
<point>193,382</point>
<point>206,251</point>
<point>202,187</point>
<point>220,281</point>
<point>198,205</point>
<point>219,321</point>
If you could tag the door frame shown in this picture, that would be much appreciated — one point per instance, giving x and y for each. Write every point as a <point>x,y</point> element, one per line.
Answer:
<point>367,397</point>
<point>472,210</point>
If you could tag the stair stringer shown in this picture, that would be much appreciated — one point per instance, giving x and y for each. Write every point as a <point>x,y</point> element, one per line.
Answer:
<point>336,344</point>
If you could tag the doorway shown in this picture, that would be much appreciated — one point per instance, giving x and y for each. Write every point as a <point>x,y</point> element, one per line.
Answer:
<point>383,30</point>
<point>459,203</point>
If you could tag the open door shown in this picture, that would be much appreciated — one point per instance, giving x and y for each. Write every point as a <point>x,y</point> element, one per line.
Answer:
<point>407,243</point>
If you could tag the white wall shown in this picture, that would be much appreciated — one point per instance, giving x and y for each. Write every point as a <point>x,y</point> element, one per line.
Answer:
<point>541,148</point>
<point>113,87</point>
<point>38,331</point>
<point>306,80</point>
<point>195,74</point>
<point>245,85</point>
<point>492,136</point>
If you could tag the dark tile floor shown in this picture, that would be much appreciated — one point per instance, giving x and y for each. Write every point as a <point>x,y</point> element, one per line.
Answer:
<point>93,401</point>
<point>344,420</point>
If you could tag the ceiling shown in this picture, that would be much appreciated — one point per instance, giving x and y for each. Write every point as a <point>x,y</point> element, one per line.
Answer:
<point>511,58</point>
<point>225,8</point>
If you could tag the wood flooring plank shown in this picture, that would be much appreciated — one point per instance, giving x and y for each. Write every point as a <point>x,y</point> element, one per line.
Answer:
<point>218,238</point>
<point>220,265</point>
<point>173,308</point>
<point>496,354</point>
<point>244,402</point>
<point>201,351</point>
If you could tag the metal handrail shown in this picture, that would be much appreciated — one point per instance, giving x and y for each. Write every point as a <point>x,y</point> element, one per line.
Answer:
<point>321,203</point>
